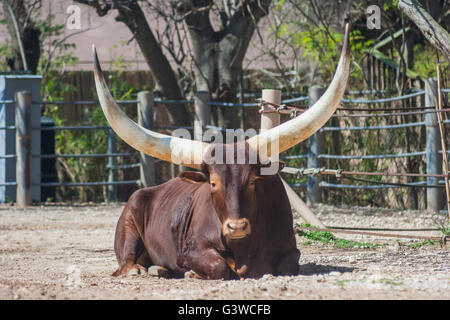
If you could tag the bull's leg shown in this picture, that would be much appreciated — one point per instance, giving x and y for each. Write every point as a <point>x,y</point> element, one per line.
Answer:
<point>288,263</point>
<point>207,264</point>
<point>131,254</point>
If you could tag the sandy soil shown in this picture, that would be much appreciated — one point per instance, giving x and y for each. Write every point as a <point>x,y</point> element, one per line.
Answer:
<point>66,252</point>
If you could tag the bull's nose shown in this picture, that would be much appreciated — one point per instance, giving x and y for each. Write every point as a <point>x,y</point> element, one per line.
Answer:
<point>236,225</point>
<point>236,228</point>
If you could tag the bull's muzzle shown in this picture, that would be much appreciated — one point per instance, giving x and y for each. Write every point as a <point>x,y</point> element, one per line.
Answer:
<point>236,228</point>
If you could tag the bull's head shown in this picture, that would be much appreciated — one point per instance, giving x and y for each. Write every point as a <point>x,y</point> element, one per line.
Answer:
<point>232,186</point>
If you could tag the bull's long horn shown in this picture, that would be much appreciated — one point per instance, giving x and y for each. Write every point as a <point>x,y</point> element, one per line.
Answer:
<point>173,149</point>
<point>296,130</point>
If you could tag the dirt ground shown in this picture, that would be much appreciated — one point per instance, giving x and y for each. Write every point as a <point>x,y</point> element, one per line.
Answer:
<point>66,252</point>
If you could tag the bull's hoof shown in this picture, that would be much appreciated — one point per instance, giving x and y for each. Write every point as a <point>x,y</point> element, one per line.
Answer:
<point>191,274</point>
<point>136,270</point>
<point>157,271</point>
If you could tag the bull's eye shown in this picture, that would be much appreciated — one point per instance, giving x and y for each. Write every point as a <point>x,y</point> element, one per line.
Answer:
<point>213,185</point>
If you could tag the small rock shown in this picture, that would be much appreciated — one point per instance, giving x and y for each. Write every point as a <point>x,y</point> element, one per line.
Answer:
<point>335,273</point>
<point>133,272</point>
<point>268,277</point>
<point>157,271</point>
<point>352,260</point>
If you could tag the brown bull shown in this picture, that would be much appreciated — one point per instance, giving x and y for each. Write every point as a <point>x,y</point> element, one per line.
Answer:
<point>226,220</point>
<point>223,221</point>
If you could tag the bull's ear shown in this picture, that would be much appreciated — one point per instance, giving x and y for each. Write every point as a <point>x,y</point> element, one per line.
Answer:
<point>193,176</point>
<point>269,169</point>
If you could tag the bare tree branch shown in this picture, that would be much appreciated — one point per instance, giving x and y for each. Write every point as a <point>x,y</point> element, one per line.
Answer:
<point>437,35</point>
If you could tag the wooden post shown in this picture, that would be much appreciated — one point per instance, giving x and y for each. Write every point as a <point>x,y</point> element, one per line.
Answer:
<point>202,113</point>
<point>268,121</point>
<point>313,191</point>
<point>145,119</point>
<point>433,145</point>
<point>23,148</point>
<point>112,190</point>
<point>443,138</point>
<point>335,149</point>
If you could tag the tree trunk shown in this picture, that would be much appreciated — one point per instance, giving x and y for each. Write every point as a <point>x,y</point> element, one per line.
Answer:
<point>130,13</point>
<point>218,55</point>
<point>166,81</point>
<point>432,31</point>
<point>22,33</point>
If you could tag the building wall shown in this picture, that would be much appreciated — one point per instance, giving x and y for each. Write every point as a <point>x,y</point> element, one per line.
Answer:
<point>111,38</point>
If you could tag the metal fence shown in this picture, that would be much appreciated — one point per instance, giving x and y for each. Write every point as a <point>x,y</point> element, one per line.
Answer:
<point>432,154</point>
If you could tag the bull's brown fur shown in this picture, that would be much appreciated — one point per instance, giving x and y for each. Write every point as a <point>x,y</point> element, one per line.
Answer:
<point>178,225</point>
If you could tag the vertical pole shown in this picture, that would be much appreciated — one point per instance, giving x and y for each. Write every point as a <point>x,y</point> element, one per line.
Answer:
<point>433,145</point>
<point>313,192</point>
<point>112,190</point>
<point>335,149</point>
<point>268,121</point>
<point>241,99</point>
<point>371,72</point>
<point>145,119</point>
<point>23,148</point>
<point>443,139</point>
<point>202,113</point>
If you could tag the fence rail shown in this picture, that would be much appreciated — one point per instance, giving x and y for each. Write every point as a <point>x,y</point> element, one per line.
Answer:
<point>372,113</point>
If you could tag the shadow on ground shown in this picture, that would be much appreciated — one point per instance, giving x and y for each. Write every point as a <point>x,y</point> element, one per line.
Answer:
<point>309,269</point>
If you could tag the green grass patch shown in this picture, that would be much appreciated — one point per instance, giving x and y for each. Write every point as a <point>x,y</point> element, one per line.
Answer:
<point>392,282</point>
<point>421,244</point>
<point>328,238</point>
<point>341,282</point>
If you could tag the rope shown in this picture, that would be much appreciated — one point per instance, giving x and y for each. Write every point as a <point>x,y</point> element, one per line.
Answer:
<point>388,174</point>
<point>420,184</point>
<point>83,184</point>
<point>385,109</point>
<point>85,155</point>
<point>295,110</point>
<point>383,229</point>
<point>364,101</point>
<point>393,114</point>
<point>394,126</point>
<point>442,239</point>
<point>90,102</point>
<point>383,186</point>
<point>229,104</point>
<point>300,172</point>
<point>340,172</point>
<point>373,156</point>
